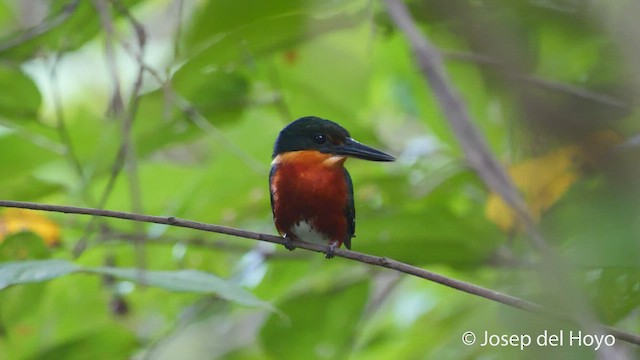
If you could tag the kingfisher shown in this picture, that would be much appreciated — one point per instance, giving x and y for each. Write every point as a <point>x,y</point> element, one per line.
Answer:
<point>311,191</point>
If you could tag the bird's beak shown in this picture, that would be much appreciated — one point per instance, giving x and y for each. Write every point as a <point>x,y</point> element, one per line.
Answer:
<point>353,148</point>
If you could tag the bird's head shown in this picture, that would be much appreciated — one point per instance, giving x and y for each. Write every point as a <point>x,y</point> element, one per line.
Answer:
<point>314,133</point>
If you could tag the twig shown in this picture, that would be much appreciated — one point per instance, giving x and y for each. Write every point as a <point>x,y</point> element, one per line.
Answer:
<point>385,262</point>
<point>132,109</point>
<point>45,26</point>
<point>200,121</point>
<point>109,236</point>
<point>195,117</point>
<point>279,101</point>
<point>177,34</point>
<point>63,131</point>
<point>474,146</point>
<point>543,83</point>
<point>128,143</point>
<point>124,152</point>
<point>116,106</point>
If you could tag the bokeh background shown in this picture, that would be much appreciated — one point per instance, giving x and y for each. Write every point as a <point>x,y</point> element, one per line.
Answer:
<point>171,107</point>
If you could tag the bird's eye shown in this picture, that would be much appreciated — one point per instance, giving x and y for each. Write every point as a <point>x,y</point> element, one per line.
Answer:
<point>320,139</point>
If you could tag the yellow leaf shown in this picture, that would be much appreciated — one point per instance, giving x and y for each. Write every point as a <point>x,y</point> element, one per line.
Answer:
<point>545,179</point>
<point>542,181</point>
<point>13,221</point>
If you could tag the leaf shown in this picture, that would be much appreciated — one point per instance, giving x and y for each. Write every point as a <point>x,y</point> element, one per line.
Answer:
<point>317,325</point>
<point>122,342</point>
<point>598,225</point>
<point>21,157</point>
<point>20,302</point>
<point>22,272</point>
<point>219,96</point>
<point>20,97</point>
<point>27,188</point>
<point>542,181</point>
<point>618,293</point>
<point>22,246</point>
<point>445,227</point>
<point>545,179</point>
<point>187,281</point>
<point>13,221</point>
<point>431,236</point>
<point>192,281</point>
<point>262,21</point>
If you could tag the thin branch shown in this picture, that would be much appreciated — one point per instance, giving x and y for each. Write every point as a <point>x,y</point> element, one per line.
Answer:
<point>194,116</point>
<point>177,34</point>
<point>188,110</point>
<point>279,101</point>
<point>474,146</point>
<point>385,262</point>
<point>574,90</point>
<point>132,109</point>
<point>36,139</point>
<point>109,236</point>
<point>45,26</point>
<point>125,150</point>
<point>200,121</point>
<point>63,131</point>
<point>543,83</point>
<point>116,106</point>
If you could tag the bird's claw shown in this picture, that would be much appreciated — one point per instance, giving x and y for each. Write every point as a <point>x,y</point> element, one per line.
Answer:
<point>288,243</point>
<point>331,250</point>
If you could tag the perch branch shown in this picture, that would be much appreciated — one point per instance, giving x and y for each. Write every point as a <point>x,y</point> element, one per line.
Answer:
<point>385,262</point>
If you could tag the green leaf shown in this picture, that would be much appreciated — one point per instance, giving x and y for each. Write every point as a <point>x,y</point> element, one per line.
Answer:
<point>122,342</point>
<point>21,246</point>
<point>20,302</point>
<point>597,225</point>
<point>192,281</point>
<point>187,281</point>
<point>229,16</point>
<point>617,293</point>
<point>317,324</point>
<point>219,96</point>
<point>22,272</point>
<point>20,157</point>
<point>20,97</point>
<point>26,188</point>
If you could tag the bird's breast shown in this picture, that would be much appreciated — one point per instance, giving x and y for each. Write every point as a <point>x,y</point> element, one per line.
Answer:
<point>309,193</point>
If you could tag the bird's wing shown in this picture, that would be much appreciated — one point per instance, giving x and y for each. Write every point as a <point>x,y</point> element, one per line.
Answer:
<point>350,211</point>
<point>271,175</point>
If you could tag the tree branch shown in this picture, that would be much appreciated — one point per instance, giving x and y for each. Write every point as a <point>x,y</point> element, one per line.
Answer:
<point>474,146</point>
<point>385,262</point>
<point>480,158</point>
<point>22,36</point>
<point>566,88</point>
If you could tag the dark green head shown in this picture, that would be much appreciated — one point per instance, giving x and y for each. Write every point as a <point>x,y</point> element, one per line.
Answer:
<point>314,133</point>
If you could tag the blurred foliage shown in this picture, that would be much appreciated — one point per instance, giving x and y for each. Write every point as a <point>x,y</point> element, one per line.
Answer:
<point>552,85</point>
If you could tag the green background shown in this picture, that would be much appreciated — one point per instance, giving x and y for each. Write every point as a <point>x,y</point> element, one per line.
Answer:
<point>220,79</point>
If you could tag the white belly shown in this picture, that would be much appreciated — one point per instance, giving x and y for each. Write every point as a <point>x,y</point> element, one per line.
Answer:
<point>304,231</point>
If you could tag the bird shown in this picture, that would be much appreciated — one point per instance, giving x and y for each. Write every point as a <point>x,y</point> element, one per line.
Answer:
<point>311,190</point>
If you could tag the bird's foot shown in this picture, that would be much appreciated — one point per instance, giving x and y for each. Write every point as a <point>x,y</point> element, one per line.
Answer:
<point>287,242</point>
<point>331,249</point>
